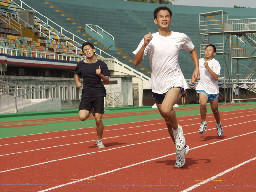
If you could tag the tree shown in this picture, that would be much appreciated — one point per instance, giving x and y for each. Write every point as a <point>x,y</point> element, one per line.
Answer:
<point>155,1</point>
<point>235,6</point>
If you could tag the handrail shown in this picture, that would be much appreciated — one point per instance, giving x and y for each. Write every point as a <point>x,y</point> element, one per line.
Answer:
<point>93,30</point>
<point>16,17</point>
<point>22,88</point>
<point>9,23</point>
<point>39,54</point>
<point>240,39</point>
<point>247,24</point>
<point>24,51</point>
<point>61,28</point>
<point>134,71</point>
<point>97,26</point>
<point>34,91</point>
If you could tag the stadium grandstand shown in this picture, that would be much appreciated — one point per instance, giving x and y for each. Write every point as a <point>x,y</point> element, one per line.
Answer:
<point>40,45</point>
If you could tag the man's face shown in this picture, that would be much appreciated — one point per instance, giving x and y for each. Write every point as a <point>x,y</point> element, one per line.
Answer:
<point>163,19</point>
<point>88,51</point>
<point>209,52</point>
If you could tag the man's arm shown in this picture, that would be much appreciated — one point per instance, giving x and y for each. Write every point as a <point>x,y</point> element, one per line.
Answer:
<point>139,56</point>
<point>77,80</point>
<point>214,75</point>
<point>195,75</point>
<point>104,78</point>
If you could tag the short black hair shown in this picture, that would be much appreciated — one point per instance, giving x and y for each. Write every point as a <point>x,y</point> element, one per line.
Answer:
<point>213,46</point>
<point>87,43</point>
<point>161,8</point>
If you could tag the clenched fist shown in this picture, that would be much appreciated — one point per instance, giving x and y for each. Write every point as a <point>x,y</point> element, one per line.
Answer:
<point>147,39</point>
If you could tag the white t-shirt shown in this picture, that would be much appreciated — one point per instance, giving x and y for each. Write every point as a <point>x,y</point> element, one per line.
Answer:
<point>163,54</point>
<point>206,82</point>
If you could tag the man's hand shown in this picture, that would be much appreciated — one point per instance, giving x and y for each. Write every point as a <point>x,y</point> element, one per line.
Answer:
<point>78,85</point>
<point>195,76</point>
<point>206,64</point>
<point>98,71</point>
<point>147,39</point>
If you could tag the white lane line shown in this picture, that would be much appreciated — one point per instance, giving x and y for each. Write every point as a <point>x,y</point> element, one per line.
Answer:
<point>223,113</point>
<point>93,132</point>
<point>79,155</point>
<point>82,142</point>
<point>220,174</point>
<point>117,136</point>
<point>139,163</point>
<point>79,134</point>
<point>105,150</point>
<point>74,129</point>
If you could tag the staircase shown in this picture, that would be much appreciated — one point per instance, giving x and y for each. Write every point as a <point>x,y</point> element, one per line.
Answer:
<point>251,38</point>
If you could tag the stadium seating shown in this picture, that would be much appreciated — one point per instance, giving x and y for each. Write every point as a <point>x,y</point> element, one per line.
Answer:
<point>38,39</point>
<point>127,22</point>
<point>127,26</point>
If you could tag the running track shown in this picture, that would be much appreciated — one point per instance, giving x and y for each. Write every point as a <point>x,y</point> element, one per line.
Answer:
<point>138,156</point>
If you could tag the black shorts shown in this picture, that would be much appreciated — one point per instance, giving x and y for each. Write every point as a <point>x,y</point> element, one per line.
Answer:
<point>92,103</point>
<point>159,98</point>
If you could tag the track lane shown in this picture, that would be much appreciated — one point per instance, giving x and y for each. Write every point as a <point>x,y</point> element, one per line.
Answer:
<point>72,147</point>
<point>203,161</point>
<point>125,154</point>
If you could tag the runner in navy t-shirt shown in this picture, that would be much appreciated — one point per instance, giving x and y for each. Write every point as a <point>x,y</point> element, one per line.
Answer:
<point>94,72</point>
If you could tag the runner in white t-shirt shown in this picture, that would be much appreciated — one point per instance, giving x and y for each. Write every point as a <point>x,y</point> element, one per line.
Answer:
<point>208,88</point>
<point>168,82</point>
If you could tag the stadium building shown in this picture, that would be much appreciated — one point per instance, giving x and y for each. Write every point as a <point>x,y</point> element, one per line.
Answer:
<point>40,45</point>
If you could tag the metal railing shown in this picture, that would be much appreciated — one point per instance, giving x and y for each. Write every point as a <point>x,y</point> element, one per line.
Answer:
<point>15,97</point>
<point>114,99</point>
<point>124,66</point>
<point>61,31</point>
<point>38,54</point>
<point>100,35</point>
<point>7,19</point>
<point>243,25</point>
<point>242,52</point>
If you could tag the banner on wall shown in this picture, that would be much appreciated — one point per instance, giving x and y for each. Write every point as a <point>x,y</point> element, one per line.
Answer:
<point>229,85</point>
<point>240,85</point>
<point>221,85</point>
<point>250,85</point>
<point>192,86</point>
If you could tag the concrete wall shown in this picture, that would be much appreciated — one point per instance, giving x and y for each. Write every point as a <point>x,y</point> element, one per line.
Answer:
<point>44,105</point>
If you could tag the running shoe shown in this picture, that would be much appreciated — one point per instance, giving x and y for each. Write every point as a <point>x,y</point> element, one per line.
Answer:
<point>203,127</point>
<point>179,138</point>
<point>219,130</point>
<point>180,157</point>
<point>100,144</point>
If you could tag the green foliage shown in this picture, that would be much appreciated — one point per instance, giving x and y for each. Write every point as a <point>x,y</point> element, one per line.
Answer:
<point>154,1</point>
<point>235,6</point>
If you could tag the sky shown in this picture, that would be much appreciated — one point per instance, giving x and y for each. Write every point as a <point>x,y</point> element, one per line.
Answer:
<point>217,3</point>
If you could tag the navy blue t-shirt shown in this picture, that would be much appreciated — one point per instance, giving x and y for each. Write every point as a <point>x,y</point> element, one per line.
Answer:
<point>92,83</point>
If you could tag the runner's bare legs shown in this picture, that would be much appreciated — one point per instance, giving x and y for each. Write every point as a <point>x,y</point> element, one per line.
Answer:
<point>167,111</point>
<point>99,125</point>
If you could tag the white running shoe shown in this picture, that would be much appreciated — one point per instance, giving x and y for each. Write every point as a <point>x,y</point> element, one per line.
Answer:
<point>100,144</point>
<point>219,130</point>
<point>180,141</point>
<point>203,127</point>
<point>180,157</point>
